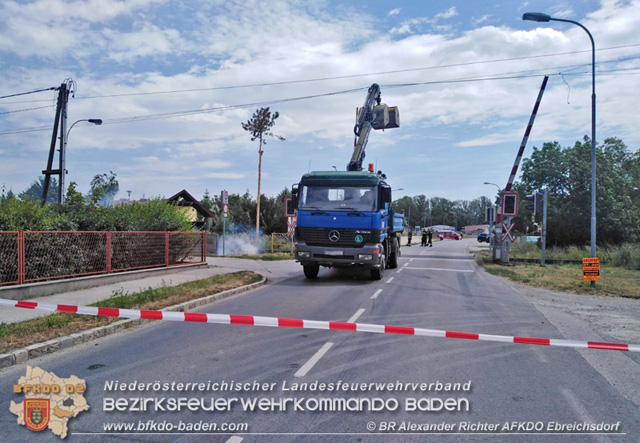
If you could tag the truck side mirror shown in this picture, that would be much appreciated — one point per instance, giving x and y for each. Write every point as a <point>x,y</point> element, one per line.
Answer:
<point>294,196</point>
<point>386,195</point>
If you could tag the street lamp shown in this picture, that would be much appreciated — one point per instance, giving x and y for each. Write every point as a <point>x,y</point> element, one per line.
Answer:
<point>539,17</point>
<point>63,150</point>
<point>499,188</point>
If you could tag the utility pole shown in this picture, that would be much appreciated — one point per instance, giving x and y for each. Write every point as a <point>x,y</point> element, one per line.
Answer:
<point>544,227</point>
<point>59,125</point>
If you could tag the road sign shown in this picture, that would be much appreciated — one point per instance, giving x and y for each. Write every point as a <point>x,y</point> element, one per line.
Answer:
<point>490,215</point>
<point>291,226</point>
<point>591,269</point>
<point>225,197</point>
<point>507,232</point>
<point>225,209</point>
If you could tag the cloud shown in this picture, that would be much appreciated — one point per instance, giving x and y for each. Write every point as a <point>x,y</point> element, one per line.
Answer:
<point>147,40</point>
<point>395,11</point>
<point>451,12</point>
<point>225,175</point>
<point>417,24</point>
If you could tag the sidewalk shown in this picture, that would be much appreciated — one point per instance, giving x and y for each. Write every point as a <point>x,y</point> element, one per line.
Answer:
<point>92,295</point>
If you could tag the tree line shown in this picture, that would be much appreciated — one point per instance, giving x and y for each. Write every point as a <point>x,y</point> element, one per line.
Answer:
<point>103,189</point>
<point>566,172</point>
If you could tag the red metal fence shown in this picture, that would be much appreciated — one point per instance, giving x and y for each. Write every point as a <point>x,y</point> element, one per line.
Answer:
<point>29,256</point>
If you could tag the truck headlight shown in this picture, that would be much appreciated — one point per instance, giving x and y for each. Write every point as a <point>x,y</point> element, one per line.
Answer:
<point>303,254</point>
<point>365,257</point>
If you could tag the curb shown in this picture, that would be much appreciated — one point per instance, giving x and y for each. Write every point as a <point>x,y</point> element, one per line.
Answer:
<point>22,355</point>
<point>26,291</point>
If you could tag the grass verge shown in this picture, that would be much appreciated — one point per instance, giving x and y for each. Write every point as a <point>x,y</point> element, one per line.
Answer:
<point>21,334</point>
<point>614,281</point>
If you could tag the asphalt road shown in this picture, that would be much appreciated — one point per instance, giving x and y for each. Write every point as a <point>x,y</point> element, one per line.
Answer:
<point>499,391</point>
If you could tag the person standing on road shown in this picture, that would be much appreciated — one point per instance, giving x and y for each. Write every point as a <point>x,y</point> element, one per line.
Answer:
<point>429,238</point>
<point>409,235</point>
<point>424,238</point>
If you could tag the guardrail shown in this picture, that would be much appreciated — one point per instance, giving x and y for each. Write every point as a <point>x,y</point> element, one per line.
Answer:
<point>31,256</point>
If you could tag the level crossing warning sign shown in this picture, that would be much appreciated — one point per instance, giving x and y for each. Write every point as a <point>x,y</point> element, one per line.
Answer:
<point>591,269</point>
<point>291,226</point>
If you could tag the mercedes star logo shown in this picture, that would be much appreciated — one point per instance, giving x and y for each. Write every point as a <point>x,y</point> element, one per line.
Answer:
<point>334,236</point>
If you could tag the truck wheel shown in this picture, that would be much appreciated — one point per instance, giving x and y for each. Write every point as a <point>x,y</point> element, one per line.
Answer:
<point>394,254</point>
<point>311,271</point>
<point>377,273</point>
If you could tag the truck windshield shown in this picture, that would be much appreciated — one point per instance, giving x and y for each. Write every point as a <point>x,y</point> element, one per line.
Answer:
<point>344,198</point>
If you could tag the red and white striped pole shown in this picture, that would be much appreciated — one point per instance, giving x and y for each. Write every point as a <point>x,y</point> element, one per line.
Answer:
<point>278,322</point>
<point>516,163</point>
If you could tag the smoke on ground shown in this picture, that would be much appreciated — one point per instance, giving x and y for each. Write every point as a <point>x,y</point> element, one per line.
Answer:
<point>240,244</point>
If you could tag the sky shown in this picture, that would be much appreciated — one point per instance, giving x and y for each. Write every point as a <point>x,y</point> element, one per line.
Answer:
<point>173,81</point>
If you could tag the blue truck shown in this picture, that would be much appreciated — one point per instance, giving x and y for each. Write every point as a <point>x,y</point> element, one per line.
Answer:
<point>345,218</point>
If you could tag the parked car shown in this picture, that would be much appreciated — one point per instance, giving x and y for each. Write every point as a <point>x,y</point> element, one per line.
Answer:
<point>448,234</point>
<point>483,237</point>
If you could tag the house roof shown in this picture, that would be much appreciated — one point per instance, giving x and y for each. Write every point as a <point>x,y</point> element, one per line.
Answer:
<point>183,198</point>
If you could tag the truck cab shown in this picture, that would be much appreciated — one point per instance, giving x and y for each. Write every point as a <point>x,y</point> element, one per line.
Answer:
<point>345,219</point>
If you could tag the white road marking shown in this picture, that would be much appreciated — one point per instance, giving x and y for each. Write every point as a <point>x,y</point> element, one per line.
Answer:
<point>410,260</point>
<point>447,258</point>
<point>390,280</point>
<point>406,264</point>
<point>313,360</point>
<point>375,295</point>
<point>355,316</point>
<point>442,269</point>
<point>580,410</point>
<point>235,439</point>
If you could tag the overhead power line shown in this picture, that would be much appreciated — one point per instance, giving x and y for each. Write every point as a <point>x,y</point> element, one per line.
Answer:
<point>28,109</point>
<point>341,77</point>
<point>165,115</point>
<point>490,77</point>
<point>30,92</point>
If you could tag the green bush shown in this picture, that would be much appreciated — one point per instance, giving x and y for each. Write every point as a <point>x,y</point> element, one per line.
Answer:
<point>153,215</point>
<point>627,256</point>
<point>28,215</point>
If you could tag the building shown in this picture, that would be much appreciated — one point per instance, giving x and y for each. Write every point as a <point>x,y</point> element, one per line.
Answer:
<point>192,207</point>
<point>475,229</point>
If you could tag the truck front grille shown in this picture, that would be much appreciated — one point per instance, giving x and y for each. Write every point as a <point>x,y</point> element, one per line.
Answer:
<point>337,236</point>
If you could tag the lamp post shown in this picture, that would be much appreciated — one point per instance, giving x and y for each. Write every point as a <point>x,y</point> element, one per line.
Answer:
<point>499,188</point>
<point>63,150</point>
<point>539,17</point>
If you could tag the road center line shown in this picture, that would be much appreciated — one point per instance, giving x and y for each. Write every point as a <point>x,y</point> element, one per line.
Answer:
<point>313,360</point>
<point>442,269</point>
<point>375,295</point>
<point>235,439</point>
<point>355,316</point>
<point>390,280</point>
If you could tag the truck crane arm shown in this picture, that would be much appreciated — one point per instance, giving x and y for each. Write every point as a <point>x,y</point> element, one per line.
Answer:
<point>372,114</point>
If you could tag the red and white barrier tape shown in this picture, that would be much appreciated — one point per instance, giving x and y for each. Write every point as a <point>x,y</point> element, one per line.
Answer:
<point>229,319</point>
